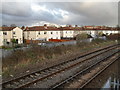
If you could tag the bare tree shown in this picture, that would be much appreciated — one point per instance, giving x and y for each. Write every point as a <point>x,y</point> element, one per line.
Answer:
<point>4,26</point>
<point>23,27</point>
<point>118,27</point>
<point>13,25</point>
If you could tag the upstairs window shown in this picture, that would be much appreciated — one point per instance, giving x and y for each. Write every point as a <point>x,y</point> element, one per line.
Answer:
<point>5,40</point>
<point>39,33</point>
<point>51,32</point>
<point>45,32</point>
<point>4,33</point>
<point>13,32</point>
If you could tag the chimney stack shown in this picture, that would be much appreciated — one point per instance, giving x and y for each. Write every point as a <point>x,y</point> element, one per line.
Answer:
<point>70,26</point>
<point>76,25</point>
<point>45,25</point>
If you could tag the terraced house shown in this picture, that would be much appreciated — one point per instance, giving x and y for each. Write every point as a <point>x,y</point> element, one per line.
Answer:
<point>43,33</point>
<point>11,33</point>
<point>70,32</point>
<point>1,37</point>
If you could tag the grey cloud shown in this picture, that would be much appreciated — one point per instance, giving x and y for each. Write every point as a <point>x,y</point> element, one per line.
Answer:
<point>16,9</point>
<point>81,13</point>
<point>95,12</point>
<point>45,16</point>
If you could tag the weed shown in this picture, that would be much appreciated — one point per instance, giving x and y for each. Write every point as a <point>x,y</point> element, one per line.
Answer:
<point>20,58</point>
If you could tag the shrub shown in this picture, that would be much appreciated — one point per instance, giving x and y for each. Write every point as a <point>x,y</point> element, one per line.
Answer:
<point>17,46</point>
<point>81,36</point>
<point>5,47</point>
<point>37,54</point>
<point>97,40</point>
<point>114,37</point>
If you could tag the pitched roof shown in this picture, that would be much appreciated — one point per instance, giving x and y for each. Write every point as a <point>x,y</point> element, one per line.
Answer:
<point>98,26</point>
<point>7,28</point>
<point>40,28</point>
<point>70,28</point>
<point>88,26</point>
<point>0,28</point>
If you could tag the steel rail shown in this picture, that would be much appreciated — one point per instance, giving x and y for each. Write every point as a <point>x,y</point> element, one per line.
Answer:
<point>59,64</point>
<point>54,66</point>
<point>54,73</point>
<point>56,86</point>
<point>86,83</point>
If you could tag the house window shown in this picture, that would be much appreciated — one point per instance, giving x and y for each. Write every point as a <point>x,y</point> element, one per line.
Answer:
<point>56,32</point>
<point>39,33</point>
<point>66,31</point>
<point>13,32</point>
<point>8,43</point>
<point>4,33</point>
<point>16,40</point>
<point>45,32</point>
<point>5,40</point>
<point>51,32</point>
<point>45,39</point>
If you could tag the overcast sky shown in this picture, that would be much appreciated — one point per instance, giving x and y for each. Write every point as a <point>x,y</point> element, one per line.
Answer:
<point>29,13</point>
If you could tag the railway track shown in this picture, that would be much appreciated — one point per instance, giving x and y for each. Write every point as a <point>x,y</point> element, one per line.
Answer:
<point>71,82</point>
<point>32,78</point>
<point>98,73</point>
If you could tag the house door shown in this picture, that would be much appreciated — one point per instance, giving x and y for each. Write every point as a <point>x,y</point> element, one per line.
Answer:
<point>17,41</point>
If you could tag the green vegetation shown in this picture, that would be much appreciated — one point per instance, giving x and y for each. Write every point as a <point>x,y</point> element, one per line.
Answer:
<point>81,36</point>
<point>20,59</point>
<point>114,37</point>
<point>101,34</point>
<point>12,47</point>
<point>6,47</point>
<point>97,40</point>
<point>14,41</point>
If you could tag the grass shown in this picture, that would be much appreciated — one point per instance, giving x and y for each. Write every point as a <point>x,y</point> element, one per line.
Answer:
<point>20,59</point>
<point>6,47</point>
